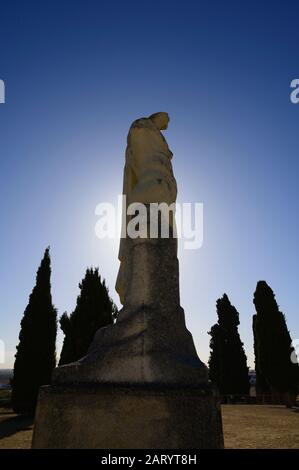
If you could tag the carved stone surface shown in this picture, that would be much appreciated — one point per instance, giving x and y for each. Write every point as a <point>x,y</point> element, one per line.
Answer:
<point>119,417</point>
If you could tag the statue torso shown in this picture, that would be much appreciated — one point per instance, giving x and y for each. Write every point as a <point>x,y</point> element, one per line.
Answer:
<point>148,159</point>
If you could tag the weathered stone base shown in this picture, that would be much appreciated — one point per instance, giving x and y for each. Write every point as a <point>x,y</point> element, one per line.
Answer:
<point>145,346</point>
<point>127,417</point>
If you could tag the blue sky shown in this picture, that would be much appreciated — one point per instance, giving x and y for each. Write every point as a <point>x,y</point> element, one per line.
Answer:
<point>78,73</point>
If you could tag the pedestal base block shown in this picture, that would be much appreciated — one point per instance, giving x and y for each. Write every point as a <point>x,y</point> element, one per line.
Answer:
<point>127,417</point>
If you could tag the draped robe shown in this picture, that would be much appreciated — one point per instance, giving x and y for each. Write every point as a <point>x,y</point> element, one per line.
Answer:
<point>148,178</point>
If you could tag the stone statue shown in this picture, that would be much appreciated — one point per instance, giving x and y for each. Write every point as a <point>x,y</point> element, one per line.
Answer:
<point>148,176</point>
<point>141,384</point>
<point>149,342</point>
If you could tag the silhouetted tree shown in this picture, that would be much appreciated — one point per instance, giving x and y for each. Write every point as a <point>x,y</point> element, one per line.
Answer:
<point>273,348</point>
<point>262,387</point>
<point>227,364</point>
<point>36,354</point>
<point>94,310</point>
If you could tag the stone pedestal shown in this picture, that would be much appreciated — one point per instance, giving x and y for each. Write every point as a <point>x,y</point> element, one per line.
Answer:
<point>118,417</point>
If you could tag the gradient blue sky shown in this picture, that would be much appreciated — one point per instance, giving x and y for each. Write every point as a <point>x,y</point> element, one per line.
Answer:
<point>78,73</point>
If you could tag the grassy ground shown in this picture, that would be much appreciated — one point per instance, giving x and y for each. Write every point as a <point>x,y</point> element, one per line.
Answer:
<point>260,427</point>
<point>245,426</point>
<point>15,431</point>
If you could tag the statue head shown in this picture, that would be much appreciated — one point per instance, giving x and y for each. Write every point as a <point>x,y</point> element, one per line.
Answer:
<point>160,120</point>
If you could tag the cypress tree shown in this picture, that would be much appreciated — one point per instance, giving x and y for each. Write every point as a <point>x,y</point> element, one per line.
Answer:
<point>94,310</point>
<point>276,371</point>
<point>227,364</point>
<point>262,387</point>
<point>36,354</point>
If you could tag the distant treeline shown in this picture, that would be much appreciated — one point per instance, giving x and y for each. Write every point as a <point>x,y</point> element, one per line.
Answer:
<point>277,372</point>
